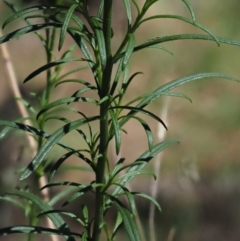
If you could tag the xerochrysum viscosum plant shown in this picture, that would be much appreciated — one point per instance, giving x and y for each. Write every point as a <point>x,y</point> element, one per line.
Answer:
<point>93,36</point>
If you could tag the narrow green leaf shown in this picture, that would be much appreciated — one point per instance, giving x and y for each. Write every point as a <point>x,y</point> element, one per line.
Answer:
<point>190,10</point>
<point>145,158</point>
<point>69,214</point>
<point>25,11</point>
<point>74,168</point>
<point>117,77</point>
<point>117,131</point>
<point>153,95</point>
<point>100,9</point>
<point>67,100</point>
<point>136,6</point>
<point>65,25</point>
<point>117,167</point>
<point>81,192</point>
<point>72,71</point>
<point>128,221</point>
<point>173,84</point>
<point>52,140</point>
<point>125,84</point>
<point>133,174</point>
<point>60,161</point>
<point>127,6</point>
<point>146,128</point>
<point>130,198</point>
<point>137,110</point>
<point>117,225</point>
<point>60,195</point>
<point>198,25</point>
<point>129,50</point>
<point>185,37</point>
<point>13,201</point>
<point>71,184</point>
<point>40,133</point>
<point>38,230</point>
<point>77,81</point>
<point>100,41</point>
<point>157,46</point>
<point>85,213</point>
<point>50,65</point>
<point>22,31</point>
<point>56,218</point>
<point>149,198</point>
<point>4,132</point>
<point>180,81</point>
<point>121,168</point>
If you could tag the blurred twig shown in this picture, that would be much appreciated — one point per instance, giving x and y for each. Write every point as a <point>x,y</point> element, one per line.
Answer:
<point>24,113</point>
<point>161,133</point>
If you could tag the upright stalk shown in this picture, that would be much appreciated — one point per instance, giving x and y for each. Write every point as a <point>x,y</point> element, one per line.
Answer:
<point>104,135</point>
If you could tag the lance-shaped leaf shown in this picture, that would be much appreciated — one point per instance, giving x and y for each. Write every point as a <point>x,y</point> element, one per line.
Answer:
<point>129,50</point>
<point>155,96</point>
<point>185,37</point>
<point>100,9</point>
<point>117,225</point>
<point>72,71</point>
<point>60,161</point>
<point>200,26</point>
<point>125,84</point>
<point>121,168</point>
<point>25,11</point>
<point>146,128</point>
<point>13,201</point>
<point>55,184</point>
<point>77,81</point>
<point>117,167</point>
<point>69,214</point>
<point>116,77</point>
<point>81,192</point>
<point>40,133</point>
<point>38,230</point>
<point>60,195</point>
<point>136,6</point>
<point>116,130</point>
<point>100,41</point>
<point>67,100</point>
<point>190,10</point>
<point>149,198</point>
<point>145,158</point>
<point>56,218</point>
<point>173,84</point>
<point>65,25</point>
<point>84,48</point>
<point>134,173</point>
<point>127,6</point>
<point>51,141</point>
<point>50,65</point>
<point>22,31</point>
<point>128,220</point>
<point>137,110</point>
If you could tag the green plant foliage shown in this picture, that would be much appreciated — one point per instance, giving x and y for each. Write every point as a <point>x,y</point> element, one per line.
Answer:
<point>93,36</point>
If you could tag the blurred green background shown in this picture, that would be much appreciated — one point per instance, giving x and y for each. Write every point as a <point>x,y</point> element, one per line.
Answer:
<point>198,188</point>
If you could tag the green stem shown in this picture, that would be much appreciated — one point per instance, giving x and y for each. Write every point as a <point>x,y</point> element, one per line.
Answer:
<point>104,140</point>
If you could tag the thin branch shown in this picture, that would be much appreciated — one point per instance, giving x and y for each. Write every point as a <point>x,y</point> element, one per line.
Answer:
<point>24,113</point>
<point>161,133</point>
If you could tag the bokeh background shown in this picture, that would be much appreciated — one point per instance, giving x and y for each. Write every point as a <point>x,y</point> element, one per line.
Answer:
<point>198,184</point>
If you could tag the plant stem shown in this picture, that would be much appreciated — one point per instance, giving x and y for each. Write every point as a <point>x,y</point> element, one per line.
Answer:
<point>104,139</point>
